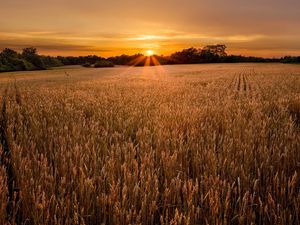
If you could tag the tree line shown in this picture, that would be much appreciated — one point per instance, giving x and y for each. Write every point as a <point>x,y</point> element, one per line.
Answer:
<point>29,59</point>
<point>208,54</point>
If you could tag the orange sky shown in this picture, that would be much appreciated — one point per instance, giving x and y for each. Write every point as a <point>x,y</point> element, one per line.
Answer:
<point>77,27</point>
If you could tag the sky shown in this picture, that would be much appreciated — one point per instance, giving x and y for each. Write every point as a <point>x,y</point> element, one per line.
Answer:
<point>268,28</point>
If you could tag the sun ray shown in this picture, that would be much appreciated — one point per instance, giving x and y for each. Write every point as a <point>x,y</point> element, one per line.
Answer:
<point>137,60</point>
<point>148,61</point>
<point>155,61</point>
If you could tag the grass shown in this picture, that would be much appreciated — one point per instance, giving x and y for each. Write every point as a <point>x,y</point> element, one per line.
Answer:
<point>209,144</point>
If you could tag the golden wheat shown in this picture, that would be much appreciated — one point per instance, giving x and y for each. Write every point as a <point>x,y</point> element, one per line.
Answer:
<point>215,144</point>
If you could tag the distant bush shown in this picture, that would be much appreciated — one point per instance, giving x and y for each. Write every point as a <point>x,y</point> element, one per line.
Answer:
<point>103,63</point>
<point>21,64</point>
<point>80,60</point>
<point>3,68</point>
<point>87,65</point>
<point>49,61</point>
<point>28,65</point>
<point>291,59</point>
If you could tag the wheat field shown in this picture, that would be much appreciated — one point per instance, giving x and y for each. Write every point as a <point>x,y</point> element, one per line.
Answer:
<point>202,144</point>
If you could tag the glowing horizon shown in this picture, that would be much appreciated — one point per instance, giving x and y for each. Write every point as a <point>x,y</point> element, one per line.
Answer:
<point>258,28</point>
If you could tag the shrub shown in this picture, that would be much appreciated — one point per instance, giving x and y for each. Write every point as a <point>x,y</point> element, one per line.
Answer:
<point>103,63</point>
<point>86,65</point>
<point>49,61</point>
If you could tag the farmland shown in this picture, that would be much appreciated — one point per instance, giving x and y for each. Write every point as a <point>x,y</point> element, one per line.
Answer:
<point>186,144</point>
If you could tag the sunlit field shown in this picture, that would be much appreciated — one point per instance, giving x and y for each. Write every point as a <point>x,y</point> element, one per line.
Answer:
<point>187,144</point>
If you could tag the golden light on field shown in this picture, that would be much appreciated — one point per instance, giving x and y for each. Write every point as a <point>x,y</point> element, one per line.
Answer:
<point>149,52</point>
<point>114,146</point>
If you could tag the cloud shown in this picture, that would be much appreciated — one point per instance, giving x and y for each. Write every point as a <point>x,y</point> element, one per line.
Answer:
<point>107,27</point>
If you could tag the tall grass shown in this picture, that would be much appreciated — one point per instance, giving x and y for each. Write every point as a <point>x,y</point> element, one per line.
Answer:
<point>169,150</point>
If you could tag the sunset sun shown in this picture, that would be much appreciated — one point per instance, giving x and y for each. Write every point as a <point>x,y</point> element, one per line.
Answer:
<point>149,52</point>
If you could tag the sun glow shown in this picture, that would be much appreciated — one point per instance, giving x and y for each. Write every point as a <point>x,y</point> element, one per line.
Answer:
<point>149,52</point>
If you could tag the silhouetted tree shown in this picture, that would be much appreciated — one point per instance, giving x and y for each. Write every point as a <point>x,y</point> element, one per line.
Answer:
<point>218,50</point>
<point>9,53</point>
<point>30,54</point>
<point>188,56</point>
<point>10,60</point>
